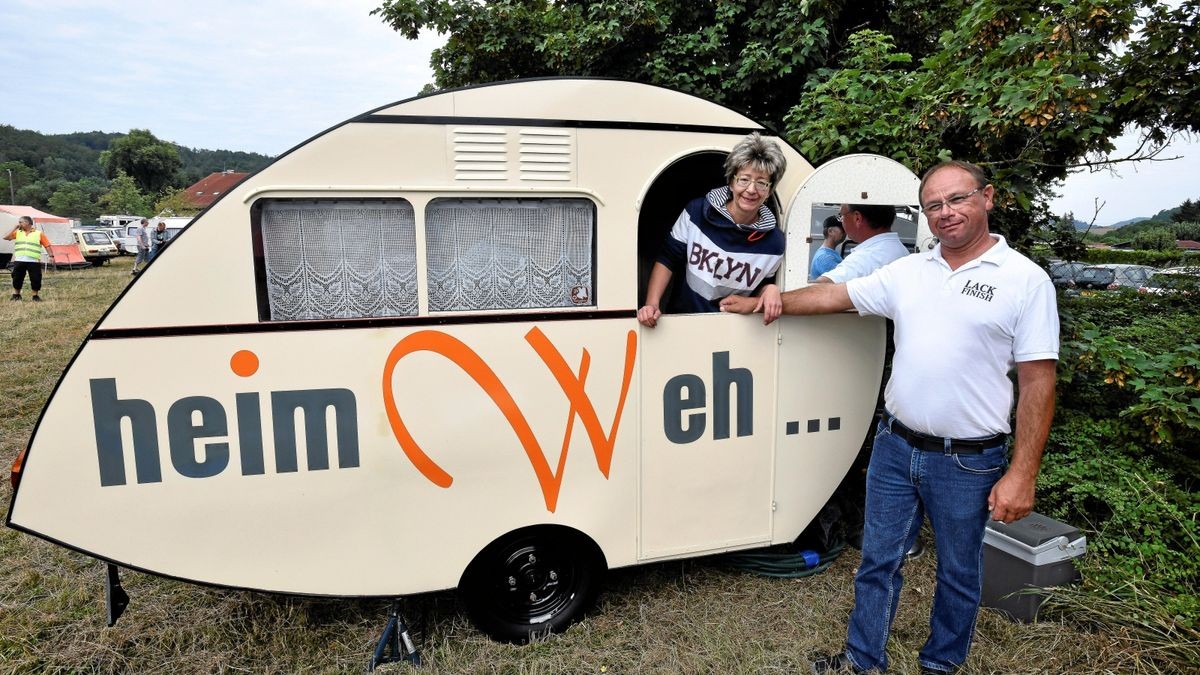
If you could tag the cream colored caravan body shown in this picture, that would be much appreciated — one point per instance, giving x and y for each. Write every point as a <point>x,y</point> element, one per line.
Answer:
<point>414,336</point>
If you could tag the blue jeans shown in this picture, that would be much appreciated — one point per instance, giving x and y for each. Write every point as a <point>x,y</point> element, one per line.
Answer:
<point>142,259</point>
<point>903,485</point>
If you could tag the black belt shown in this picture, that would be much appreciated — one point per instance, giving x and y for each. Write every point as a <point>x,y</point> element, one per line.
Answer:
<point>973,446</point>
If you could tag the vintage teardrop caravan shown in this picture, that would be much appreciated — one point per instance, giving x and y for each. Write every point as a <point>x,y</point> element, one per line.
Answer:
<point>404,357</point>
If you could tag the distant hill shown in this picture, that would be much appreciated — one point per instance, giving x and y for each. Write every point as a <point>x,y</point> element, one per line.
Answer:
<point>77,155</point>
<point>67,156</point>
<point>1130,221</point>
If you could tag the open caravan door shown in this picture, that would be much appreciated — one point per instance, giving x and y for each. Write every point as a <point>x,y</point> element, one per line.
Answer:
<point>853,179</point>
<point>823,424</point>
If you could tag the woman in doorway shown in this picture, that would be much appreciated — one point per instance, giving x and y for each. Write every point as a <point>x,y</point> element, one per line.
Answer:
<point>727,241</point>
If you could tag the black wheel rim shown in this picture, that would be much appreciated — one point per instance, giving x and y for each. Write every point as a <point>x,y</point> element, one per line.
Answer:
<point>535,581</point>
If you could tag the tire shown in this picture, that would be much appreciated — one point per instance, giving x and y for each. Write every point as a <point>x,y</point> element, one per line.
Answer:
<point>532,582</point>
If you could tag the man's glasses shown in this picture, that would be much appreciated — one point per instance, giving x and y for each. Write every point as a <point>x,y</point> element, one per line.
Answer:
<point>953,202</point>
<point>745,181</point>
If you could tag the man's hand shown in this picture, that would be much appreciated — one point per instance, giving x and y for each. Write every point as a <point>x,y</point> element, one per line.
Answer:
<point>648,316</point>
<point>1011,498</point>
<point>771,303</point>
<point>740,304</point>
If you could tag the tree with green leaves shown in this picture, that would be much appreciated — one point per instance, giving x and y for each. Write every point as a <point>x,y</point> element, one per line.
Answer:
<point>176,203</point>
<point>1187,230</point>
<point>124,197</point>
<point>1188,211</point>
<point>21,175</point>
<point>1065,241</point>
<point>1156,239</point>
<point>150,162</point>
<point>77,199</point>
<point>1029,90</point>
<point>37,194</point>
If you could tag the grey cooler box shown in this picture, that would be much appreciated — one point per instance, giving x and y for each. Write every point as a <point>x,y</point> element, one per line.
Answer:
<point>1035,552</point>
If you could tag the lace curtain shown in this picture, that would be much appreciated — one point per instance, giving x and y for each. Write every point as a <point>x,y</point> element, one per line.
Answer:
<point>340,259</point>
<point>509,253</point>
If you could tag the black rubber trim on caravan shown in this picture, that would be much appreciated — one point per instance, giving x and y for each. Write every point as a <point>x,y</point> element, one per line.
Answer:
<point>351,324</point>
<point>568,124</point>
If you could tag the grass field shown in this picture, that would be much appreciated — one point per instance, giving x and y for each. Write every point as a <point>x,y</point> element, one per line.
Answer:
<point>683,617</point>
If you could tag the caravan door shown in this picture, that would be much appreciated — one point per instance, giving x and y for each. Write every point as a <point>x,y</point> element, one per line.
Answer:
<point>708,381</point>
<point>832,366</point>
<point>853,179</point>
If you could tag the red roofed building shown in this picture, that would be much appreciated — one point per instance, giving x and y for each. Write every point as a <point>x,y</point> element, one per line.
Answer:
<point>1188,244</point>
<point>211,187</point>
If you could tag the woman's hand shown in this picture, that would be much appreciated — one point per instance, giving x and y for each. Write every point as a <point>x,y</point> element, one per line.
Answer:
<point>771,303</point>
<point>648,316</point>
<point>740,304</point>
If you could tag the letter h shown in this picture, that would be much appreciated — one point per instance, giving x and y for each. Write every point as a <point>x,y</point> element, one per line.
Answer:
<point>724,378</point>
<point>107,412</point>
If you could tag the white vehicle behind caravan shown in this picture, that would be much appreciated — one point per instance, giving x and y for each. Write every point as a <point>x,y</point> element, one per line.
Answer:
<point>417,366</point>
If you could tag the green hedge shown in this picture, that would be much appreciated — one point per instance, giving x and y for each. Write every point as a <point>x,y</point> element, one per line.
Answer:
<point>1122,461</point>
<point>1158,259</point>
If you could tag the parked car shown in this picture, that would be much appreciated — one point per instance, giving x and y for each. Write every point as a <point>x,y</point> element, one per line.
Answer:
<point>1173,280</point>
<point>1113,276</point>
<point>1063,274</point>
<point>96,245</point>
<point>119,240</point>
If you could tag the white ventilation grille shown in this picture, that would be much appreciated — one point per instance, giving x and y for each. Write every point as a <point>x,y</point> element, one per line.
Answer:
<point>547,154</point>
<point>480,153</point>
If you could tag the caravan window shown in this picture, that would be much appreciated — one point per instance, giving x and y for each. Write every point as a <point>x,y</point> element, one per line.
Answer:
<point>510,253</point>
<point>327,259</point>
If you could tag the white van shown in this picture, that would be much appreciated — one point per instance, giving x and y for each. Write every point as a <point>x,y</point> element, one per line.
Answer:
<point>417,366</point>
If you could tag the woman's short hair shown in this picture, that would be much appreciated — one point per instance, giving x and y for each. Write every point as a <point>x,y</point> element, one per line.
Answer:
<point>25,219</point>
<point>756,151</point>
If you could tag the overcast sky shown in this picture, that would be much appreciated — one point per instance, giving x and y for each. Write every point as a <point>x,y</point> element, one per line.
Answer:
<point>261,75</point>
<point>266,75</point>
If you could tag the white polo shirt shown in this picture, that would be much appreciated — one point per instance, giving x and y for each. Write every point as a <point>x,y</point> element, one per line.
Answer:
<point>868,257</point>
<point>958,334</point>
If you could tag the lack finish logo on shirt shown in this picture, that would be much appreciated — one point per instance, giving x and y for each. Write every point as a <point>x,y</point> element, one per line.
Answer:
<point>979,290</point>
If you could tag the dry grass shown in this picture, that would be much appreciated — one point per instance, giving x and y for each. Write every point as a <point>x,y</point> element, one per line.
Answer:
<point>683,617</point>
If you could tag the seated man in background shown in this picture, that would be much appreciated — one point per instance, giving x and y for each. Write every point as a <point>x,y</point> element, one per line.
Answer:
<point>827,256</point>
<point>871,227</point>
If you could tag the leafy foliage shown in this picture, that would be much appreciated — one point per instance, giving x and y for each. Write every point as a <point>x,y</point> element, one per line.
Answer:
<point>1026,88</point>
<point>77,199</point>
<point>140,155</point>
<point>175,203</point>
<point>124,197</point>
<point>1188,212</point>
<point>1155,239</point>
<point>1064,240</point>
<point>1097,256</point>
<point>42,165</point>
<point>52,157</point>
<point>1122,454</point>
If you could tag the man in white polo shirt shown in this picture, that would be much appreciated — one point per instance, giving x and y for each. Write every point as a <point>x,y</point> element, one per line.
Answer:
<point>871,226</point>
<point>966,313</point>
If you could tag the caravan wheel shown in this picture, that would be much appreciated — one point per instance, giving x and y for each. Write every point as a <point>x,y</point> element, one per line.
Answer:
<point>532,582</point>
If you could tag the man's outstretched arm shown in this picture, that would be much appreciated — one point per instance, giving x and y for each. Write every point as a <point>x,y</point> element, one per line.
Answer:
<point>815,299</point>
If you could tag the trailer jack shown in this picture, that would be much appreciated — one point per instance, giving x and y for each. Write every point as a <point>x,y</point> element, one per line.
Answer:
<point>115,597</point>
<point>395,644</point>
